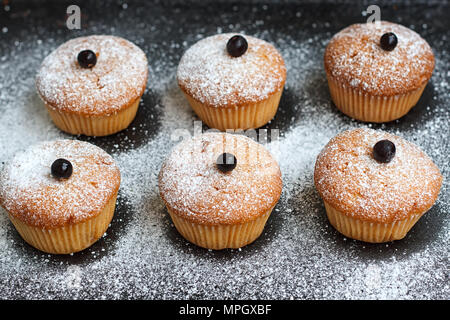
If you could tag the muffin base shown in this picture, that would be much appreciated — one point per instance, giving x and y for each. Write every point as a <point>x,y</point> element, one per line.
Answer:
<point>246,117</point>
<point>94,125</point>
<point>219,237</point>
<point>67,239</point>
<point>369,231</point>
<point>368,108</point>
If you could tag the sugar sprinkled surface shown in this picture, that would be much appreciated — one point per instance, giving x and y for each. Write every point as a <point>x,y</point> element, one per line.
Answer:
<point>299,255</point>
<point>355,58</point>
<point>210,75</point>
<point>349,178</point>
<point>194,188</point>
<point>30,192</point>
<point>117,79</point>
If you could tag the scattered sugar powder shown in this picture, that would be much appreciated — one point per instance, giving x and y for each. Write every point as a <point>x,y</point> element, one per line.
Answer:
<point>299,255</point>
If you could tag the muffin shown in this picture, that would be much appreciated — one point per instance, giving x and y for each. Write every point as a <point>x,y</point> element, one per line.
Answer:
<point>220,189</point>
<point>375,185</point>
<point>60,195</point>
<point>377,71</point>
<point>92,85</point>
<point>232,81</point>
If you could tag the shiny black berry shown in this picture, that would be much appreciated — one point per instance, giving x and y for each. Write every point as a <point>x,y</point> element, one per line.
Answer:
<point>87,59</point>
<point>384,151</point>
<point>388,41</point>
<point>62,169</point>
<point>236,46</point>
<point>226,162</point>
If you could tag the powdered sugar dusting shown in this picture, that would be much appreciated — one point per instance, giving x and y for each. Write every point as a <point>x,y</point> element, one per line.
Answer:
<point>355,58</point>
<point>117,80</point>
<point>193,187</point>
<point>30,192</point>
<point>209,74</point>
<point>351,180</point>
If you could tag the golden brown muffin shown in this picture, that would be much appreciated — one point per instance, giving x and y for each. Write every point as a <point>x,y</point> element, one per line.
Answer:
<point>96,101</point>
<point>215,209</point>
<point>230,92</point>
<point>55,214</point>
<point>370,200</point>
<point>373,84</point>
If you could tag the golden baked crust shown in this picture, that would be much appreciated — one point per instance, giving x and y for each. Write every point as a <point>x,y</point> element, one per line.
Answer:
<point>208,74</point>
<point>192,187</point>
<point>349,178</point>
<point>30,193</point>
<point>116,81</point>
<point>355,59</point>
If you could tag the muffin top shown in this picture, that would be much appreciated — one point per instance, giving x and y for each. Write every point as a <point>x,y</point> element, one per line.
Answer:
<point>30,192</point>
<point>348,177</point>
<point>210,75</point>
<point>116,80</point>
<point>193,187</point>
<point>355,58</point>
